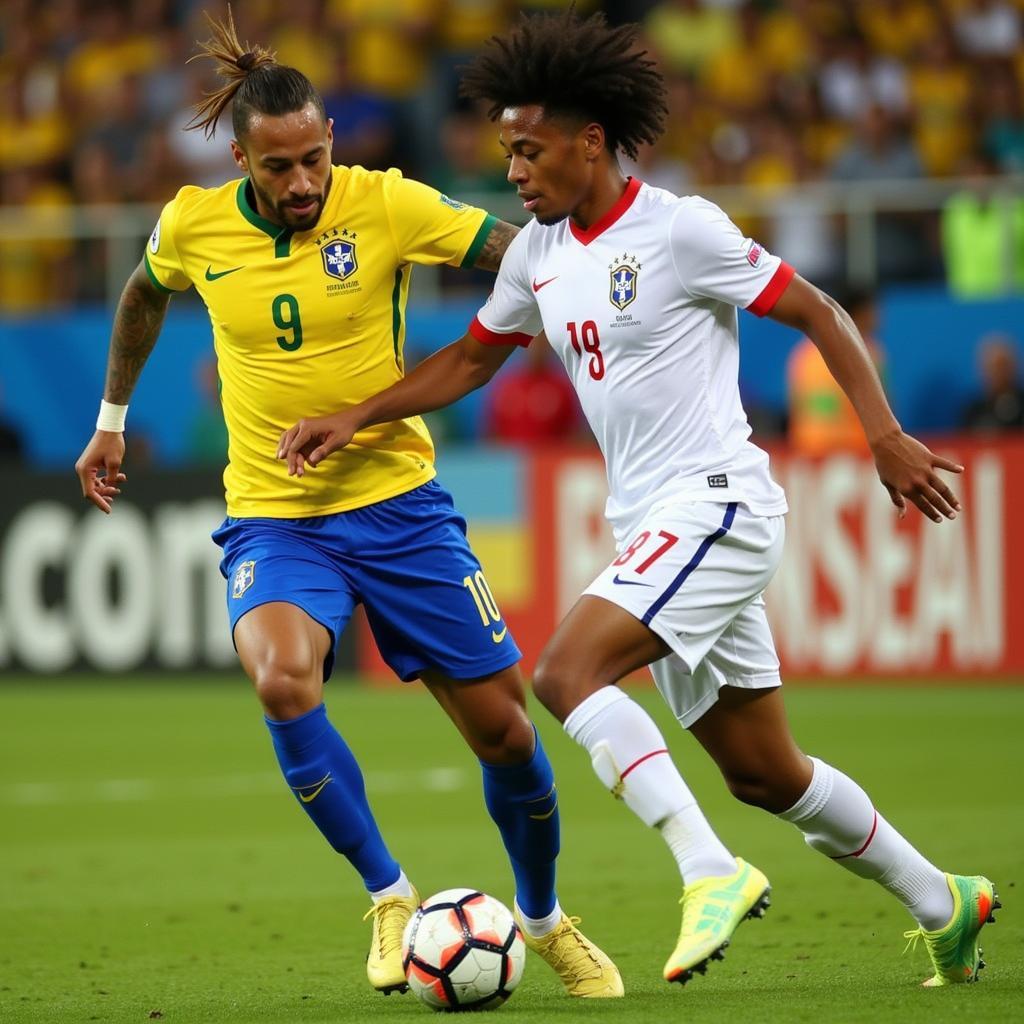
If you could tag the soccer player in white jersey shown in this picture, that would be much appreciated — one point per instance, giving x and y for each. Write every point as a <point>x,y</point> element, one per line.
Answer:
<point>638,290</point>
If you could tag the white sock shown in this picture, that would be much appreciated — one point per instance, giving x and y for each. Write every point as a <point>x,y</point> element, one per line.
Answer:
<point>400,887</point>
<point>538,927</point>
<point>629,756</point>
<point>838,819</point>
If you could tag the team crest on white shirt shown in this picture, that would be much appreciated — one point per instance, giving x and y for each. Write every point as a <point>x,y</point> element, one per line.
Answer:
<point>625,271</point>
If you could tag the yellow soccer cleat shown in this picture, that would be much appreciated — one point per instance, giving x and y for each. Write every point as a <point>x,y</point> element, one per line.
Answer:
<point>585,971</point>
<point>954,950</point>
<point>384,965</point>
<point>712,910</point>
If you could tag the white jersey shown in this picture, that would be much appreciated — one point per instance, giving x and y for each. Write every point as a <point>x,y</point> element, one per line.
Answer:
<point>642,310</point>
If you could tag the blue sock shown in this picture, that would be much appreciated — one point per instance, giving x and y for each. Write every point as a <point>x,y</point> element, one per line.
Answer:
<point>326,780</point>
<point>524,806</point>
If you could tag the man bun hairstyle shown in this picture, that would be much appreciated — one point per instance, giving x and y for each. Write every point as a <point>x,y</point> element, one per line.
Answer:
<point>576,67</point>
<point>256,83</point>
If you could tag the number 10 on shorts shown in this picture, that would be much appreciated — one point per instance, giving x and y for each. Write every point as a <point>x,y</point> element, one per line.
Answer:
<point>483,599</point>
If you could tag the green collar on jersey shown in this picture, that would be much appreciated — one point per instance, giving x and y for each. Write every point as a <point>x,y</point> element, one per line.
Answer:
<point>282,236</point>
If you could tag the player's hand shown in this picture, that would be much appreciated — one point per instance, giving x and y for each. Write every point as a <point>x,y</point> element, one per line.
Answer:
<point>907,469</point>
<point>310,441</point>
<point>99,469</point>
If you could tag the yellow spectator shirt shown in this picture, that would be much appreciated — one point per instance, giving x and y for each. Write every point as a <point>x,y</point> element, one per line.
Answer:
<point>308,322</point>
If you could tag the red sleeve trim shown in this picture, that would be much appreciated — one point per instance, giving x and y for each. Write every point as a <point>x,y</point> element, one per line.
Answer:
<point>488,337</point>
<point>772,292</point>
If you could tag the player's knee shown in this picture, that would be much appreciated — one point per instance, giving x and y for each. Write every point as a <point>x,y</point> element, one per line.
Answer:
<point>287,689</point>
<point>506,739</point>
<point>554,684</point>
<point>763,788</point>
<point>750,786</point>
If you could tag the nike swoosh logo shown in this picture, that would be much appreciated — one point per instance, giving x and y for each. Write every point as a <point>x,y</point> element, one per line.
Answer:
<point>310,797</point>
<point>544,817</point>
<point>211,276</point>
<point>498,637</point>
<point>547,814</point>
<point>630,583</point>
<point>537,287</point>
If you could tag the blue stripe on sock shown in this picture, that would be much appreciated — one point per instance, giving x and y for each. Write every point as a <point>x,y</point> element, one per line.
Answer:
<point>698,556</point>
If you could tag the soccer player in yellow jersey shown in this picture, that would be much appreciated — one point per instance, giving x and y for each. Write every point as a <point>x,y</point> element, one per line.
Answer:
<point>304,269</point>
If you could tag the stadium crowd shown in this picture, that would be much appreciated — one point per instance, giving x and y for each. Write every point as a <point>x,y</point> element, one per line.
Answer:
<point>764,93</point>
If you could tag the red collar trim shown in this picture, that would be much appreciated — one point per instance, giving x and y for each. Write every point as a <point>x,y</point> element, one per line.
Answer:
<point>625,201</point>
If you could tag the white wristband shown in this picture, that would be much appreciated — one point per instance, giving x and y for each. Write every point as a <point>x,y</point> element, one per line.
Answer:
<point>111,417</point>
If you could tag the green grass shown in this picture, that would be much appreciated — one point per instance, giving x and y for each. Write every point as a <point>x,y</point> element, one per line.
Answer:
<point>151,862</point>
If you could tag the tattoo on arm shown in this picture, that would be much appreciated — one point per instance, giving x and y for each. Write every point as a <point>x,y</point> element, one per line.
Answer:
<point>497,243</point>
<point>137,322</point>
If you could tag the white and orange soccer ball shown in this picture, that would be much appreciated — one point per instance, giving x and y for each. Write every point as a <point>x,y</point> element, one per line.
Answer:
<point>463,951</point>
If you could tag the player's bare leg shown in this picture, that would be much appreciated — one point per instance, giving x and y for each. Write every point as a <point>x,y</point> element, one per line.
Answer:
<point>283,650</point>
<point>520,793</point>
<point>597,644</point>
<point>747,734</point>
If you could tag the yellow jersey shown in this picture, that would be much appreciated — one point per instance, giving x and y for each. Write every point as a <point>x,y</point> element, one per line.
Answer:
<point>308,322</point>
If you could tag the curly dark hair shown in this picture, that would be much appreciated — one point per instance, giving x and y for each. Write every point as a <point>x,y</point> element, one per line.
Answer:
<point>574,67</point>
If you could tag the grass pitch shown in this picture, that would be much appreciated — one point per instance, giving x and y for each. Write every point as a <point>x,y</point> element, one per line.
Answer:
<point>153,866</point>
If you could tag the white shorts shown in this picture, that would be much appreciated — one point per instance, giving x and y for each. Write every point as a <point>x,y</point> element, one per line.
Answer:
<point>695,574</point>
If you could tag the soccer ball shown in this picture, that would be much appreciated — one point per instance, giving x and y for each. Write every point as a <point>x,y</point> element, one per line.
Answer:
<point>462,951</point>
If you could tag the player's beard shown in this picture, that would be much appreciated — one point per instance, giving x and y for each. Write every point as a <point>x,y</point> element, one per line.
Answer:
<point>283,212</point>
<point>301,223</point>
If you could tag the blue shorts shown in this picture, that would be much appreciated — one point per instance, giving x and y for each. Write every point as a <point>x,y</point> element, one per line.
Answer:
<point>406,560</point>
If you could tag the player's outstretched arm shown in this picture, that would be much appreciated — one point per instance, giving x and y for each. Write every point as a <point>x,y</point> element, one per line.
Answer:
<point>906,467</point>
<point>439,380</point>
<point>137,322</point>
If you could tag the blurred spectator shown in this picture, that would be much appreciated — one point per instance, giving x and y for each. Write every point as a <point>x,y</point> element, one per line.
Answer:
<point>298,40</point>
<point>897,28</point>
<point>799,230</point>
<point>881,152</point>
<point>854,79</point>
<point>35,265</point>
<point>1000,407</point>
<point>738,92</point>
<point>988,28</point>
<point>96,184</point>
<point>470,159</point>
<point>532,401</point>
<point>1001,107</point>
<point>464,26</point>
<point>983,237</point>
<point>109,51</point>
<point>821,418</point>
<point>687,34</point>
<point>205,162</point>
<point>387,45</point>
<point>940,89</point>
<point>120,129</point>
<point>31,128</point>
<point>364,123</point>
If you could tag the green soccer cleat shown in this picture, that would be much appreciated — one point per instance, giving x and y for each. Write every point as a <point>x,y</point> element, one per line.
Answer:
<point>954,949</point>
<point>384,965</point>
<point>584,970</point>
<point>712,910</point>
